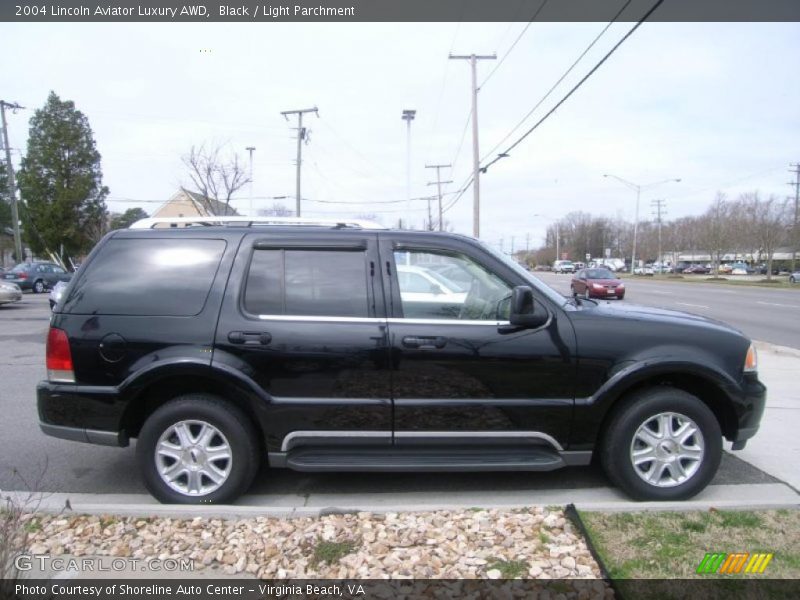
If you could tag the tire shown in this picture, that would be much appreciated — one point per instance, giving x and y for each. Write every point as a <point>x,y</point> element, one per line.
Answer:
<point>624,433</point>
<point>792,280</point>
<point>586,295</point>
<point>230,428</point>
<point>38,286</point>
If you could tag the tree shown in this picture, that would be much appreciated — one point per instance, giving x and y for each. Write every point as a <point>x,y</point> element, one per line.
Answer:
<point>60,181</point>
<point>216,177</point>
<point>276,210</point>
<point>130,216</point>
<point>716,229</point>
<point>770,226</point>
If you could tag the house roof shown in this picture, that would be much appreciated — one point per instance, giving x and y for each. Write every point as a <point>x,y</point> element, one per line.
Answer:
<point>200,203</point>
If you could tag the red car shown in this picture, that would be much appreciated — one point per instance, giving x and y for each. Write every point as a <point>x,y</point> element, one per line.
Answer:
<point>597,283</point>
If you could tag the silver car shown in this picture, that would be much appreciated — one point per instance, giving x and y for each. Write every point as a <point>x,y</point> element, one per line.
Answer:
<point>9,292</point>
<point>56,293</point>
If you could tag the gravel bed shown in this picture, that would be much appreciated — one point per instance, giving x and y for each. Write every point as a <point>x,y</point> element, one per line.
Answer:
<point>534,543</point>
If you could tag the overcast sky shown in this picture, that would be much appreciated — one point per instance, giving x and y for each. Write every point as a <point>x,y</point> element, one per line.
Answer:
<point>717,105</point>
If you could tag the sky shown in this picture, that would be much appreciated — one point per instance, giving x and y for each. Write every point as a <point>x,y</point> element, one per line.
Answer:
<point>714,104</point>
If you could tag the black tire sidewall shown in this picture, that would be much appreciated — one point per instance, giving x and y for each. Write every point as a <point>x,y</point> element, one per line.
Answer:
<point>36,286</point>
<point>226,417</point>
<point>635,411</point>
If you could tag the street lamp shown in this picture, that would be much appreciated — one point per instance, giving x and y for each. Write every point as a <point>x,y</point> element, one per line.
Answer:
<point>638,189</point>
<point>408,116</point>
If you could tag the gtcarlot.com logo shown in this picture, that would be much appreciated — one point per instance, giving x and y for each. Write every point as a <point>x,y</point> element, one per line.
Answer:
<point>731,564</point>
<point>44,562</point>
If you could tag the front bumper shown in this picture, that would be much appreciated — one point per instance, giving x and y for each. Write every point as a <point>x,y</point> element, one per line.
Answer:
<point>750,409</point>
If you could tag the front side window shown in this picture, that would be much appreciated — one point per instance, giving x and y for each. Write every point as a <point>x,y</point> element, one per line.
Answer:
<point>436,285</point>
<point>307,283</point>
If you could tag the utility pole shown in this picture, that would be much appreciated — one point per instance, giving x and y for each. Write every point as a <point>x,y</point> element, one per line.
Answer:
<point>796,223</point>
<point>659,211</point>
<point>527,243</point>
<point>439,183</point>
<point>476,166</point>
<point>250,150</point>
<point>301,136</point>
<point>12,186</point>
<point>408,116</point>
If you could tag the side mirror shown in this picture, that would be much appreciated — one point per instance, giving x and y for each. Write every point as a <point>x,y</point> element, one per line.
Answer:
<point>523,312</point>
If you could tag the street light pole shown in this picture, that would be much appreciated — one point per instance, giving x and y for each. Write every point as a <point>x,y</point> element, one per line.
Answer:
<point>638,189</point>
<point>408,116</point>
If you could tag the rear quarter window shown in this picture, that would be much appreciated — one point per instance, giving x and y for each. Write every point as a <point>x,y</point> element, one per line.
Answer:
<point>145,276</point>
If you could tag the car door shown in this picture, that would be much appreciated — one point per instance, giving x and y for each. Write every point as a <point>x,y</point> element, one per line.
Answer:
<point>460,374</point>
<point>304,322</point>
<point>579,282</point>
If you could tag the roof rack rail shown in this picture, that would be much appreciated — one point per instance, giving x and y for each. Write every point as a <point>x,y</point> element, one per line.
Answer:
<point>199,221</point>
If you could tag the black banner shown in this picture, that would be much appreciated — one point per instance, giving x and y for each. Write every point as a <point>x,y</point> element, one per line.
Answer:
<point>441,589</point>
<point>396,10</point>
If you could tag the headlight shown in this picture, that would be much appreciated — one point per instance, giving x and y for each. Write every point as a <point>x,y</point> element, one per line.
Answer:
<point>751,360</point>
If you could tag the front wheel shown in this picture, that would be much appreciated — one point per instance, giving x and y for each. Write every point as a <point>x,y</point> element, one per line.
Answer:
<point>662,444</point>
<point>197,449</point>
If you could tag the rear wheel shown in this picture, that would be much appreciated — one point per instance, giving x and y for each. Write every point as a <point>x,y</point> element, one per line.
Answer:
<point>197,449</point>
<point>38,286</point>
<point>662,444</point>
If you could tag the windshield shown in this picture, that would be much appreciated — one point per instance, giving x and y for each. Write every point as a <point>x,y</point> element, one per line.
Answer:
<point>599,274</point>
<point>536,283</point>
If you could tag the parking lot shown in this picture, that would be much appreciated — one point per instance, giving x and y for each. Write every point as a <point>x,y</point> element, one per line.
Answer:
<point>29,460</point>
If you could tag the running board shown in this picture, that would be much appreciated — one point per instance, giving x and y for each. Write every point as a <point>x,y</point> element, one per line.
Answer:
<point>413,459</point>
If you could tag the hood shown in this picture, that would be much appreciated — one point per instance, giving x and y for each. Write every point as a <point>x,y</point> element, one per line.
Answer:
<point>648,314</point>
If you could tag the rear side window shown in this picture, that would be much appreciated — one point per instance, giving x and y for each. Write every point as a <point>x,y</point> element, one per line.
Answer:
<point>329,283</point>
<point>154,277</point>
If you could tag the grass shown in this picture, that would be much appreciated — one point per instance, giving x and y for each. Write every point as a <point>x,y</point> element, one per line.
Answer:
<point>332,552</point>
<point>778,281</point>
<point>667,545</point>
<point>510,569</point>
<point>33,525</point>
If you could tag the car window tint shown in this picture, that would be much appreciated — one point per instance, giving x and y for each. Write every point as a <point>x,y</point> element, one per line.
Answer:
<point>428,292</point>
<point>307,283</point>
<point>153,277</point>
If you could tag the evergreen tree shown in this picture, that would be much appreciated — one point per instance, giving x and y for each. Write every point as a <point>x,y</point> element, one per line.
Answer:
<point>124,220</point>
<point>60,181</point>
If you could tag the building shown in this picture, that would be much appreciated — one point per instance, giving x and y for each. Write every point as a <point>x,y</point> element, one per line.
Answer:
<point>192,204</point>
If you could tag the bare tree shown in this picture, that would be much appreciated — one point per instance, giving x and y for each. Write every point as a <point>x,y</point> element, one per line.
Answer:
<point>770,226</point>
<point>215,176</point>
<point>716,230</point>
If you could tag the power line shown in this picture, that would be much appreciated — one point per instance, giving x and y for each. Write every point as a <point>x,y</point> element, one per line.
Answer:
<point>560,79</point>
<point>576,87</point>
<point>513,45</point>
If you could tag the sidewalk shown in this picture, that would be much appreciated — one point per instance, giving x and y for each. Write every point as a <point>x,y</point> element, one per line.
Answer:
<point>776,447</point>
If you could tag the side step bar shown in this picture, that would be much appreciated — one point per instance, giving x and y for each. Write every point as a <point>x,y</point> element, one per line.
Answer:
<point>414,459</point>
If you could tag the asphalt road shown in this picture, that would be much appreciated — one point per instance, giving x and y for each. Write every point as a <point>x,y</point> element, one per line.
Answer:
<point>761,313</point>
<point>29,460</point>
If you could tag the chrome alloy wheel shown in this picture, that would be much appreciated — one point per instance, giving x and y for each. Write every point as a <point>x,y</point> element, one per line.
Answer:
<point>193,458</point>
<point>667,449</point>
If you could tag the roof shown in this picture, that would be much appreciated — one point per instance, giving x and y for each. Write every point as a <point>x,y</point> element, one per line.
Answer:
<point>202,201</point>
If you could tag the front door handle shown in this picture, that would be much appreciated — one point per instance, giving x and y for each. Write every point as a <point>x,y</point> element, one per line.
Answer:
<point>424,342</point>
<point>250,338</point>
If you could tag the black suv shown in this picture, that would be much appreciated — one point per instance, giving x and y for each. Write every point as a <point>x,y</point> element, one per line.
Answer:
<point>344,347</point>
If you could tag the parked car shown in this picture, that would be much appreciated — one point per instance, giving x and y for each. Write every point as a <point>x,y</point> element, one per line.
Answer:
<point>741,269</point>
<point>37,276</point>
<point>697,270</point>
<point>563,266</point>
<point>9,292</point>
<point>794,277</point>
<point>597,283</point>
<point>56,293</point>
<point>724,269</point>
<point>645,270</point>
<point>226,346</point>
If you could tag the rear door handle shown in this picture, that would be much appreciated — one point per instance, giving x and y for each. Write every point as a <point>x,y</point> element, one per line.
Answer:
<point>250,338</point>
<point>424,342</point>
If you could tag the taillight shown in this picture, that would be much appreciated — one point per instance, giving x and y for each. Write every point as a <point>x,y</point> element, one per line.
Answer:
<point>59,357</point>
<point>22,275</point>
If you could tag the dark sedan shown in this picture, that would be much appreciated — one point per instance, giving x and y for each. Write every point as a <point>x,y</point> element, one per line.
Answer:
<point>36,276</point>
<point>697,270</point>
<point>597,283</point>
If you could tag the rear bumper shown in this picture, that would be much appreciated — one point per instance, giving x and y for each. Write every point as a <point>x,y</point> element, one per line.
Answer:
<point>91,414</point>
<point>89,436</point>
